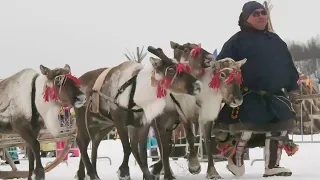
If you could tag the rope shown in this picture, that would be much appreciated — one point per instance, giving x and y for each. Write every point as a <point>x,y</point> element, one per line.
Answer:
<point>86,119</point>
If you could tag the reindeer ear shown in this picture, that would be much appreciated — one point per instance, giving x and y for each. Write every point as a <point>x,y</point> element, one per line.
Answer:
<point>174,45</point>
<point>241,62</point>
<point>44,70</point>
<point>156,62</point>
<point>67,67</point>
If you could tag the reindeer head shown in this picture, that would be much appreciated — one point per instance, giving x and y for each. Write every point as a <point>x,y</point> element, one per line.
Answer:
<point>226,73</point>
<point>226,77</point>
<point>62,87</point>
<point>168,75</point>
<point>193,57</point>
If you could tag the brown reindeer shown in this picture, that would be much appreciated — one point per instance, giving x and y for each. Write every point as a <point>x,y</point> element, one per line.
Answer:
<point>28,94</point>
<point>125,88</point>
<point>203,108</point>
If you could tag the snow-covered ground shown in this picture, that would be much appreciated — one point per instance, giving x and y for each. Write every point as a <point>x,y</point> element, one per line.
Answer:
<point>304,165</point>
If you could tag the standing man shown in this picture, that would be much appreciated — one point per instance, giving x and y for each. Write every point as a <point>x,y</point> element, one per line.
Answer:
<point>266,109</point>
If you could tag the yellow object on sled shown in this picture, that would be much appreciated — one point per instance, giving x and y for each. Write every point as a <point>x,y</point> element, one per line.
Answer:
<point>48,146</point>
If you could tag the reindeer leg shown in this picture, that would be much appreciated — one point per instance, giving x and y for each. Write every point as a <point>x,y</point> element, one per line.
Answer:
<point>157,167</point>
<point>124,171</point>
<point>166,142</point>
<point>83,143</point>
<point>30,136</point>
<point>193,164</point>
<point>31,162</point>
<point>95,145</point>
<point>39,171</point>
<point>81,174</point>
<point>212,173</point>
<point>143,134</point>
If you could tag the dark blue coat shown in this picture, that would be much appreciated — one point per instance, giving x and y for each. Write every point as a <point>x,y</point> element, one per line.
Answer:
<point>269,68</point>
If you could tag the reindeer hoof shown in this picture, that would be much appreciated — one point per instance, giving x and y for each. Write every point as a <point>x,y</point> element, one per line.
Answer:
<point>38,174</point>
<point>169,178</point>
<point>123,176</point>
<point>214,177</point>
<point>151,177</point>
<point>195,169</point>
<point>92,178</point>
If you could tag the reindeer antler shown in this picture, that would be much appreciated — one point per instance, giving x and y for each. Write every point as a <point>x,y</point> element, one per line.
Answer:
<point>140,55</point>
<point>158,52</point>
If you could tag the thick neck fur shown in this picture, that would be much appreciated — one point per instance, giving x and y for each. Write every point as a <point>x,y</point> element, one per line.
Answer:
<point>210,99</point>
<point>49,111</point>
<point>146,97</point>
<point>189,108</point>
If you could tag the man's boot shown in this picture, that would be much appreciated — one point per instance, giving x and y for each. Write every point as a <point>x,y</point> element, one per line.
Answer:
<point>273,152</point>
<point>235,161</point>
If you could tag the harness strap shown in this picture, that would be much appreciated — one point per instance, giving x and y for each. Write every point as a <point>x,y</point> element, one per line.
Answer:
<point>120,90</point>
<point>131,104</point>
<point>179,109</point>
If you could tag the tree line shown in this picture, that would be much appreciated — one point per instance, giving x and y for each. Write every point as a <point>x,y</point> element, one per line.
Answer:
<point>306,55</point>
<point>307,50</point>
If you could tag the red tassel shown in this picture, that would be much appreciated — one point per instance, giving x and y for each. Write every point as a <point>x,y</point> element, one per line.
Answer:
<point>46,94</point>
<point>180,68</point>
<point>195,51</point>
<point>74,79</point>
<point>188,69</point>
<point>50,93</point>
<point>230,77</point>
<point>161,92</point>
<point>215,81</point>
<point>162,87</point>
<point>224,148</point>
<point>54,95</point>
<point>235,74</point>
<point>239,78</point>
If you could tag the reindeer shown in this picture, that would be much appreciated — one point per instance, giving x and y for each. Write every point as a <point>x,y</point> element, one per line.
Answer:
<point>220,85</point>
<point>124,88</point>
<point>27,95</point>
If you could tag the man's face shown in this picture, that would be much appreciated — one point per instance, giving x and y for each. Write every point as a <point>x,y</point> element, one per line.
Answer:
<point>258,19</point>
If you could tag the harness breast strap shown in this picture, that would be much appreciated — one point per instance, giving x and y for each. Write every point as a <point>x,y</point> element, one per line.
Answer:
<point>96,89</point>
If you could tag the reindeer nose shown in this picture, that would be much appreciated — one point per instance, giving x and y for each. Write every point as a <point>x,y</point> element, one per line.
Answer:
<point>80,100</point>
<point>197,87</point>
<point>236,102</point>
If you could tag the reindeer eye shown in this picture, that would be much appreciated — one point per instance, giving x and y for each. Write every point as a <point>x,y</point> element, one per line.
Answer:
<point>58,80</point>
<point>171,70</point>
<point>223,75</point>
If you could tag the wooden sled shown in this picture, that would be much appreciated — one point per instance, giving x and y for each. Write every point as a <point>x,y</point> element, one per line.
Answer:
<point>67,134</point>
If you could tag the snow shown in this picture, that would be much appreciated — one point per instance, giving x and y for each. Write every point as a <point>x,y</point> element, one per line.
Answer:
<point>303,164</point>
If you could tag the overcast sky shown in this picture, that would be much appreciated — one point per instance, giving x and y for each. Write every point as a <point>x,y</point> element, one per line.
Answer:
<point>93,34</point>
